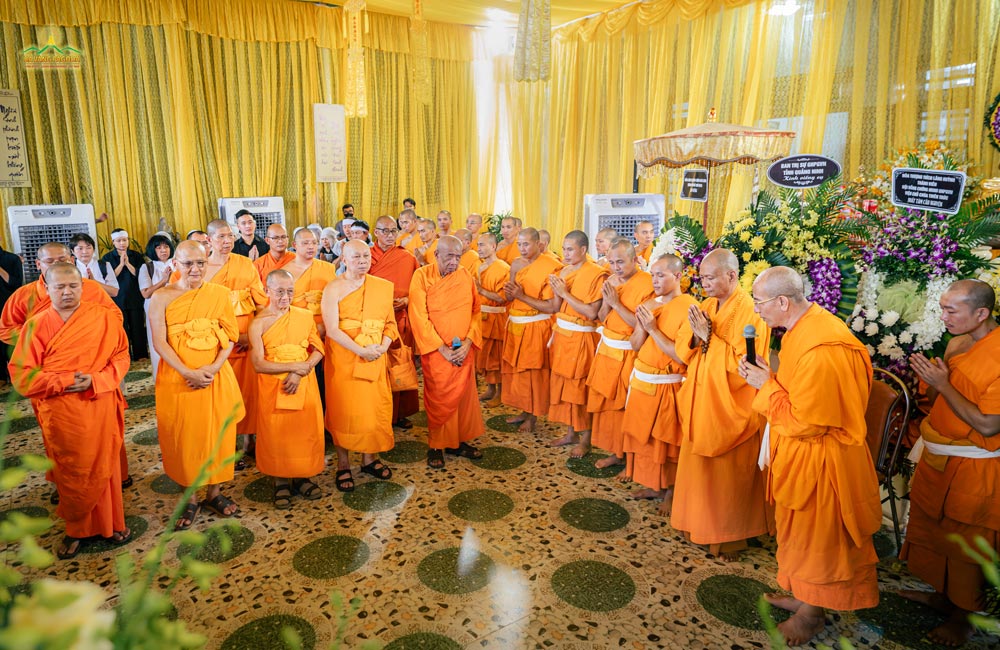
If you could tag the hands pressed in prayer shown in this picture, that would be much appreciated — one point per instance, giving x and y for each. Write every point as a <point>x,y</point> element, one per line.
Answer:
<point>699,322</point>
<point>609,294</point>
<point>934,372</point>
<point>644,318</point>
<point>513,291</point>
<point>558,286</point>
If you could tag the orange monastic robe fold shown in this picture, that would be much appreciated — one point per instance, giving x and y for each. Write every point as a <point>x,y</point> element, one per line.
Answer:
<point>266,263</point>
<point>83,432</point>
<point>358,392</point>
<point>607,383</point>
<point>525,366</point>
<point>719,491</point>
<point>508,253</point>
<point>822,480</point>
<point>398,266</point>
<point>33,298</point>
<point>955,495</point>
<point>470,262</point>
<point>200,323</point>
<point>651,426</point>
<point>309,288</point>
<point>574,340</point>
<point>494,321</point>
<point>247,295</point>
<point>411,244</point>
<point>441,309</point>
<point>290,427</point>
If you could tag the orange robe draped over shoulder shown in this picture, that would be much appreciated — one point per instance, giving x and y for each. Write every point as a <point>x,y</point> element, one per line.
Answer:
<point>83,432</point>
<point>822,480</point>
<point>508,253</point>
<point>358,392</point>
<point>398,265</point>
<point>470,262</point>
<point>494,321</point>
<point>572,351</point>
<point>309,288</point>
<point>719,491</point>
<point>190,421</point>
<point>607,383</point>
<point>651,426</point>
<point>290,427</point>
<point>266,263</point>
<point>525,369</point>
<point>33,298</point>
<point>441,309</point>
<point>954,495</point>
<point>246,293</point>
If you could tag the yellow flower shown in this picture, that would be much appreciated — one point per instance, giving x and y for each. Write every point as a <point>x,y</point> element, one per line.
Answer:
<point>745,235</point>
<point>750,273</point>
<point>747,257</point>
<point>757,243</point>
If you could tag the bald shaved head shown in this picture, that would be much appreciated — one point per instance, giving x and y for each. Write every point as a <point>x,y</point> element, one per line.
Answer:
<point>464,234</point>
<point>668,262</point>
<point>216,225</point>
<point>780,281</point>
<point>974,293</point>
<point>448,254</point>
<point>190,247</point>
<point>724,259</point>
<point>385,221</point>
<point>578,237</point>
<point>530,234</point>
<point>53,248</point>
<point>720,274</point>
<point>623,245</point>
<point>275,230</point>
<point>277,277</point>
<point>62,269</point>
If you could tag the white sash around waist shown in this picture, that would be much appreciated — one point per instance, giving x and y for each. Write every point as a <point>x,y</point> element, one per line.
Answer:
<point>492,309</point>
<point>520,320</point>
<point>650,378</point>
<point>613,343</point>
<point>570,326</point>
<point>960,451</point>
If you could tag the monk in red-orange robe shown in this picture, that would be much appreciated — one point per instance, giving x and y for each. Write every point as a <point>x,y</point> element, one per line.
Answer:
<point>491,277</point>
<point>277,255</point>
<point>442,310</point>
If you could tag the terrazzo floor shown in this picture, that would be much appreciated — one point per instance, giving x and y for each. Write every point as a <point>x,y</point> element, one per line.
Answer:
<point>522,549</point>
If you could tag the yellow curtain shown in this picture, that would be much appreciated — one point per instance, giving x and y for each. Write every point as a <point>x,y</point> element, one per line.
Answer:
<point>857,79</point>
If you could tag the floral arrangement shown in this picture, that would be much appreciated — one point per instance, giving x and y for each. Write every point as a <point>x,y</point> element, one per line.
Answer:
<point>685,238</point>
<point>875,190</point>
<point>992,122</point>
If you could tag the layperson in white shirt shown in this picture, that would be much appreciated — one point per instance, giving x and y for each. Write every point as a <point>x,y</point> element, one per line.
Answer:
<point>83,247</point>
<point>152,276</point>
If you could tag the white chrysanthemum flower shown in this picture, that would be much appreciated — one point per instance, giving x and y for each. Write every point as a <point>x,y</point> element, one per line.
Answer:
<point>858,324</point>
<point>889,318</point>
<point>871,329</point>
<point>871,350</point>
<point>905,338</point>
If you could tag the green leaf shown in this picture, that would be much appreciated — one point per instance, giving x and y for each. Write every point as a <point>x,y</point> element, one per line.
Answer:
<point>11,477</point>
<point>35,463</point>
<point>291,637</point>
<point>32,555</point>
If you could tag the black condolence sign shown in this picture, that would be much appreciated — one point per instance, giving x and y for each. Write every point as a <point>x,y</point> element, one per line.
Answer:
<point>927,189</point>
<point>694,186</point>
<point>799,172</point>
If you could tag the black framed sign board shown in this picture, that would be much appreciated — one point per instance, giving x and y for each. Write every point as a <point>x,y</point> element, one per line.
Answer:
<point>694,185</point>
<point>937,190</point>
<point>802,172</point>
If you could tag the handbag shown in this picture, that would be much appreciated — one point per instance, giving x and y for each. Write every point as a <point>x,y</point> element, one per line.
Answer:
<point>402,370</point>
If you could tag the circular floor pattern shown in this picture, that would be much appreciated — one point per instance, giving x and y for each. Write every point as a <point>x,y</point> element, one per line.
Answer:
<point>594,515</point>
<point>35,512</point>
<point>481,505</point>
<point>903,621</point>
<point>499,423</point>
<point>137,375</point>
<point>498,458</point>
<point>885,543</point>
<point>418,419</point>
<point>148,437</point>
<point>375,495</point>
<point>163,484</point>
<point>406,451</point>
<point>265,634</point>
<point>733,599</point>
<point>593,586</point>
<point>454,571</point>
<point>260,490</point>
<point>424,641</point>
<point>585,466</point>
<point>141,401</point>
<point>134,523</point>
<point>331,557</point>
<point>240,540</point>
<point>12,461</point>
<point>17,425</point>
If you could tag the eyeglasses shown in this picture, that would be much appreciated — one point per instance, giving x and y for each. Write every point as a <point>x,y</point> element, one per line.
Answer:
<point>199,263</point>
<point>278,238</point>
<point>283,292</point>
<point>763,302</point>
<point>387,231</point>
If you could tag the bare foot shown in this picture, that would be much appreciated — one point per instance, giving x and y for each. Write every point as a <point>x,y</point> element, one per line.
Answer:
<point>728,552</point>
<point>802,627</point>
<point>781,601</point>
<point>609,461</point>
<point>493,403</point>
<point>623,477</point>
<point>528,425</point>
<point>955,631</point>
<point>932,599</point>
<point>516,419</point>
<point>580,450</point>
<point>667,505</point>
<point>647,493</point>
<point>567,439</point>
<point>488,395</point>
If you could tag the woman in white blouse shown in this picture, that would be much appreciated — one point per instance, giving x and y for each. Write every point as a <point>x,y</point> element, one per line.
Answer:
<point>153,275</point>
<point>90,268</point>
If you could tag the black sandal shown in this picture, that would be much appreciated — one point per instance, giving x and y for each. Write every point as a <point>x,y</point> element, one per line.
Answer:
<point>68,544</point>
<point>465,450</point>
<point>240,465</point>
<point>377,469</point>
<point>128,482</point>
<point>119,537</point>
<point>190,514</point>
<point>345,480</point>
<point>282,496</point>
<point>306,489</point>
<point>435,459</point>
<point>54,497</point>
<point>219,504</point>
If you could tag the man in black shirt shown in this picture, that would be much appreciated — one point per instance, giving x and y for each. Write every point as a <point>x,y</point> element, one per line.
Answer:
<point>248,244</point>
<point>11,277</point>
<point>126,263</point>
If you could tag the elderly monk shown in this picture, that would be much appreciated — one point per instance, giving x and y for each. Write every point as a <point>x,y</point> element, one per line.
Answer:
<point>474,224</point>
<point>284,348</point>
<point>822,479</point>
<point>470,258</point>
<point>577,288</point>
<point>507,249</point>
<point>202,238</point>
<point>446,327</point>
<point>237,274</point>
<point>358,312</point>
<point>72,378</point>
<point>277,256</point>
<point>424,252</point>
<point>602,242</point>
<point>198,400</point>
<point>311,276</point>
<point>651,426</point>
<point>443,224</point>
<point>719,492</point>
<point>525,368</point>
<point>397,265</point>
<point>644,234</point>
<point>608,380</point>
<point>491,276</point>
<point>955,487</point>
<point>408,237</point>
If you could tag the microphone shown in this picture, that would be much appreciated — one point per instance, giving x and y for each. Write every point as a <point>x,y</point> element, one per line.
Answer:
<point>750,334</point>
<point>456,343</point>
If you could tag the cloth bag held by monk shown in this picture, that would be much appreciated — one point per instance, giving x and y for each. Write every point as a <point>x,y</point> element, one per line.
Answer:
<point>402,370</point>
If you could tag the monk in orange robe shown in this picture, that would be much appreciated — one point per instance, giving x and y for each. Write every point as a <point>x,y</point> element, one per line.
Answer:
<point>237,273</point>
<point>447,329</point>
<point>198,400</point>
<point>525,368</point>
<point>199,236</point>
<point>719,492</point>
<point>408,238</point>
<point>577,288</point>
<point>954,490</point>
<point>311,275</point>
<point>474,224</point>
<point>395,264</point>
<point>284,348</point>
<point>72,377</point>
<point>360,326</point>
<point>507,249</point>
<point>607,384</point>
<point>277,255</point>
<point>470,258</point>
<point>443,224</point>
<point>644,234</point>
<point>491,277</point>
<point>602,242</point>
<point>822,480</point>
<point>651,426</point>
<point>424,252</point>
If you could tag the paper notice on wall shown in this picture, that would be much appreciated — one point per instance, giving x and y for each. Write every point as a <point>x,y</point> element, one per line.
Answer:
<point>14,161</point>
<point>330,133</point>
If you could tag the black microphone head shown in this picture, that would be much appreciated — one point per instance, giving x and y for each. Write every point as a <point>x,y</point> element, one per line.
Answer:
<point>750,332</point>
